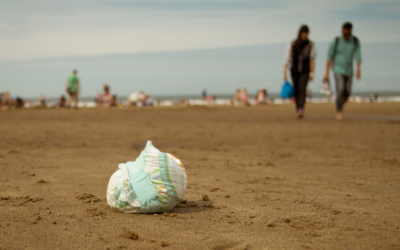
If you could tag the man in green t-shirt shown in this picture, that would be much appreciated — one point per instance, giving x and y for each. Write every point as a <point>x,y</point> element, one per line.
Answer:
<point>341,54</point>
<point>73,88</point>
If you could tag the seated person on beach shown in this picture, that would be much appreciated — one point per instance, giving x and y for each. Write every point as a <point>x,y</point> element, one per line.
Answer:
<point>143,99</point>
<point>4,102</point>
<point>14,100</point>
<point>18,101</point>
<point>149,101</point>
<point>7,100</point>
<point>42,101</point>
<point>142,96</point>
<point>98,99</point>
<point>133,98</point>
<point>62,102</point>
<point>183,102</point>
<point>244,97</point>
<point>237,100</point>
<point>1,99</point>
<point>214,99</point>
<point>261,97</point>
<point>210,99</point>
<point>113,101</point>
<point>267,98</point>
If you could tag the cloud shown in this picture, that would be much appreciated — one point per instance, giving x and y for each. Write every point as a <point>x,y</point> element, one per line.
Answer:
<point>66,28</point>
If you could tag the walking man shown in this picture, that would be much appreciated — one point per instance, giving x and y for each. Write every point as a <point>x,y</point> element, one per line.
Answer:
<point>341,53</point>
<point>73,88</point>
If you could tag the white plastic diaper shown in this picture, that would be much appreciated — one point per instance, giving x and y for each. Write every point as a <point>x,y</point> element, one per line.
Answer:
<point>154,183</point>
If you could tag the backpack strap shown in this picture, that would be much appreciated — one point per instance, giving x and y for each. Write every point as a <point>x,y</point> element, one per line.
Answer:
<point>356,42</point>
<point>335,48</point>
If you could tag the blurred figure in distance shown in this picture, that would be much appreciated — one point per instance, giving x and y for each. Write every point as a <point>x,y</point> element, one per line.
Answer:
<point>62,102</point>
<point>204,94</point>
<point>106,98</point>
<point>73,88</point>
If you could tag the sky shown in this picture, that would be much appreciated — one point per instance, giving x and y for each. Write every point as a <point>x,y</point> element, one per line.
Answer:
<point>36,31</point>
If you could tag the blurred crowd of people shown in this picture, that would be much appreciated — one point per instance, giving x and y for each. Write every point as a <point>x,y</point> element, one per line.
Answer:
<point>242,97</point>
<point>8,100</point>
<point>12,101</point>
<point>140,99</point>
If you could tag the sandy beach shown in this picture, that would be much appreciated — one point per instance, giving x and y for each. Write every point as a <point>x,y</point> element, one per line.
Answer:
<point>272,182</point>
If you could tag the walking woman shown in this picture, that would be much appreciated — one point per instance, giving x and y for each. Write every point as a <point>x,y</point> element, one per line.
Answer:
<point>300,56</point>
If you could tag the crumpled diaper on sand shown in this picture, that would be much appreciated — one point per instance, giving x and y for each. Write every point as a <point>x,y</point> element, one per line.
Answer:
<point>154,183</point>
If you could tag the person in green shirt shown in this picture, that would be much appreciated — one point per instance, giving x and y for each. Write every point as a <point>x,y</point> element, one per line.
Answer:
<point>73,88</point>
<point>341,53</point>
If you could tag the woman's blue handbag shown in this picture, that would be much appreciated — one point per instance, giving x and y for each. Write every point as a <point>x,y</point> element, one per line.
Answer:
<point>287,90</point>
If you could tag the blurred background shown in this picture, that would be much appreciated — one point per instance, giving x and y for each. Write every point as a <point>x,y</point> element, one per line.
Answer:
<point>178,48</point>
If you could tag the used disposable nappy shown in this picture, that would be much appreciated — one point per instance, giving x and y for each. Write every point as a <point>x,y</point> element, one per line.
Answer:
<point>154,183</point>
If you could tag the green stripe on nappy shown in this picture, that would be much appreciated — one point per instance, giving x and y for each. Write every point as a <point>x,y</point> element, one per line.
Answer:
<point>164,172</point>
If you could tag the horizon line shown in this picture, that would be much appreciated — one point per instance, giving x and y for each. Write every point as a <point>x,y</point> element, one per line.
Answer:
<point>220,94</point>
<point>164,51</point>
